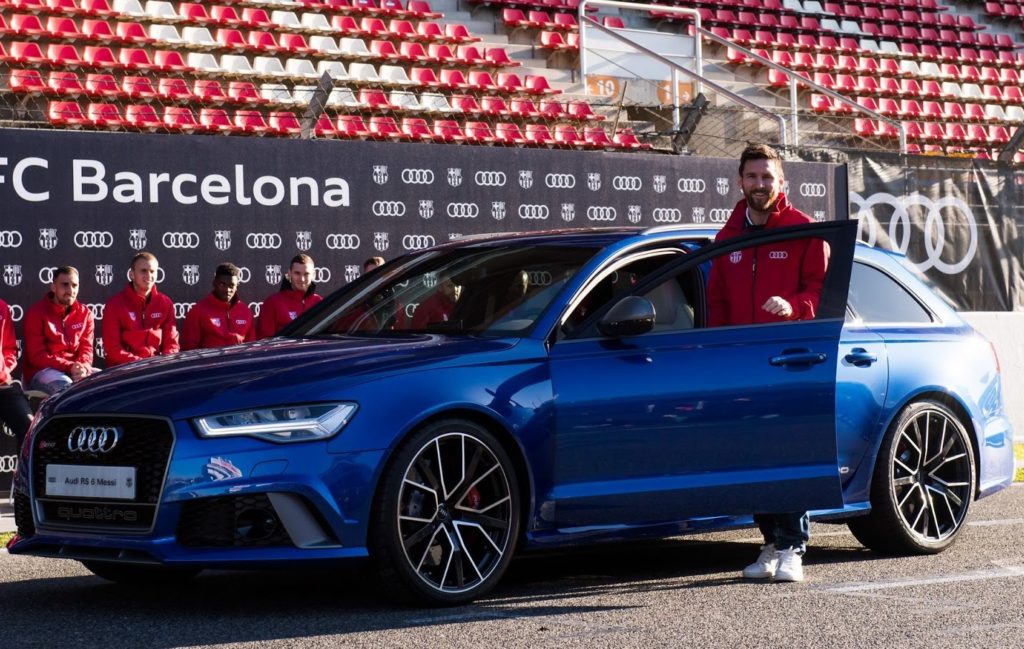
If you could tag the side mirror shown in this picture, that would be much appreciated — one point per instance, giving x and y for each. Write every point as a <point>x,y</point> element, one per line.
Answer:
<point>631,316</point>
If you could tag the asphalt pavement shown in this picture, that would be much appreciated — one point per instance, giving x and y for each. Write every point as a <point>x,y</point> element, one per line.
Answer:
<point>684,591</point>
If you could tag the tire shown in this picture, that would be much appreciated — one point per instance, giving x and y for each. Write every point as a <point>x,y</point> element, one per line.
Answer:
<point>134,574</point>
<point>923,484</point>
<point>447,516</point>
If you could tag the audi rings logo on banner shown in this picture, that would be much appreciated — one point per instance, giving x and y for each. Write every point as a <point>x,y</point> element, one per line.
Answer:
<point>719,214</point>
<point>463,210</point>
<point>16,312</point>
<point>342,241</point>
<point>10,239</point>
<point>560,181</point>
<point>46,274</point>
<point>181,309</point>
<point>666,215</point>
<point>691,185</point>
<point>601,213</point>
<point>96,310</point>
<point>93,439</point>
<point>778,255</point>
<point>180,240</point>
<point>533,212</point>
<point>539,278</point>
<point>322,275</point>
<point>418,176</point>
<point>255,308</point>
<point>937,216</point>
<point>160,274</point>
<point>388,208</point>
<point>490,178</point>
<point>244,275</point>
<point>417,241</point>
<point>93,239</point>
<point>8,463</point>
<point>812,190</point>
<point>263,240</point>
<point>627,183</point>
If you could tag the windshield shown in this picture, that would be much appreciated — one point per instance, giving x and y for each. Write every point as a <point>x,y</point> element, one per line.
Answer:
<point>485,291</point>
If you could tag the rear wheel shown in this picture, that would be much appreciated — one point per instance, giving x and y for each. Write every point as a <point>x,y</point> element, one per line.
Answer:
<point>447,515</point>
<point>923,483</point>
<point>140,575</point>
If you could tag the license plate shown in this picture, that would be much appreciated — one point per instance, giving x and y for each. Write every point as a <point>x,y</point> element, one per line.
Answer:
<point>116,482</point>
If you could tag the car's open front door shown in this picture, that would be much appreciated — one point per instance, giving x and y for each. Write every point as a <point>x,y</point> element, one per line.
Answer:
<point>692,420</point>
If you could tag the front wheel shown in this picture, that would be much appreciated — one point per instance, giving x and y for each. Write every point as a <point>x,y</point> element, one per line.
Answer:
<point>923,484</point>
<point>447,515</point>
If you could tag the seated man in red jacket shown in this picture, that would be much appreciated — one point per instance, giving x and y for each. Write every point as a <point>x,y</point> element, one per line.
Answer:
<point>298,293</point>
<point>58,336</point>
<point>438,307</point>
<point>139,321</point>
<point>220,319</point>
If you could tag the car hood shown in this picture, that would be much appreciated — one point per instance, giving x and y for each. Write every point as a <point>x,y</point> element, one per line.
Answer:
<point>279,370</point>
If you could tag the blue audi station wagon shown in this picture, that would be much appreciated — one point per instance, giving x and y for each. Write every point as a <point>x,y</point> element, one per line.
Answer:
<point>496,394</point>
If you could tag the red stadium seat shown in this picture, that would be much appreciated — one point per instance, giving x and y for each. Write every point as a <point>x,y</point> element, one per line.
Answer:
<point>136,87</point>
<point>231,38</point>
<point>27,25</point>
<point>494,106</point>
<point>97,8</point>
<point>174,89</point>
<point>467,104</point>
<point>447,130</point>
<point>225,15</point>
<point>216,120</point>
<point>441,52</point>
<point>597,138</point>
<point>170,61</point>
<point>413,51</point>
<point>101,57</point>
<point>627,140</point>
<point>181,118</point>
<point>416,128</point>
<point>479,133</point>
<point>552,110</point>
<point>425,77</point>
<point>66,113</point>
<point>454,79</point>
<point>127,32</point>
<point>284,123</point>
<point>245,92</point>
<point>457,33</point>
<point>421,9</point>
<point>567,136</point>
<point>352,126</point>
<point>539,135</point>
<point>375,99</point>
<point>64,28</point>
<point>509,133</point>
<point>258,18</point>
<point>324,127</point>
<point>65,84</point>
<point>209,91</point>
<point>251,121</point>
<point>538,85</point>
<point>385,50</point>
<point>27,82</point>
<point>383,127</point>
<point>136,59</point>
<point>103,115</point>
<point>142,117</point>
<point>498,57</point>
<point>430,31</point>
<point>523,108</point>
<point>63,55</point>
<point>507,81</point>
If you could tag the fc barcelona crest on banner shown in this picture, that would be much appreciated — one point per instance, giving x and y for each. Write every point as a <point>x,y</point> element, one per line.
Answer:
<point>722,185</point>
<point>190,274</point>
<point>454,176</point>
<point>137,238</point>
<point>498,210</point>
<point>380,241</point>
<point>594,182</point>
<point>351,272</point>
<point>525,178</point>
<point>568,212</point>
<point>12,274</point>
<point>48,238</point>
<point>222,239</point>
<point>104,274</point>
<point>426,209</point>
<point>273,275</point>
<point>633,214</point>
<point>304,240</point>
<point>380,174</point>
<point>660,184</point>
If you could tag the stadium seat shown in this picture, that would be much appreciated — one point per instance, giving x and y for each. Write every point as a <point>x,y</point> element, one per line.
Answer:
<point>566,136</point>
<point>126,32</point>
<point>103,85</point>
<point>413,52</point>
<point>174,89</point>
<point>343,99</point>
<point>335,69</point>
<point>364,72</point>
<point>457,33</point>
<point>384,127</point>
<point>494,106</point>
<point>441,53</point>
<point>375,99</point>
<point>416,128</point>
<point>216,120</point>
<point>301,69</point>
<point>245,92</point>
<point>142,117</point>
<point>430,31</point>
<point>284,123</point>
<point>351,126</point>
<point>479,133</point>
<point>509,133</point>
<point>136,87</point>
<point>181,118</point>
<point>435,103</point>
<point>276,94</point>
<point>404,101</point>
<point>626,139</point>
<point>64,55</point>
<point>453,79</point>
<point>67,114</point>
<point>251,122</point>
<point>447,130</point>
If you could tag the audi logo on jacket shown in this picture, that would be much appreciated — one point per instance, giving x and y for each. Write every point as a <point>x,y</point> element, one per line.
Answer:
<point>282,307</point>
<point>56,338</point>
<point>137,327</point>
<point>743,280</point>
<point>215,323</point>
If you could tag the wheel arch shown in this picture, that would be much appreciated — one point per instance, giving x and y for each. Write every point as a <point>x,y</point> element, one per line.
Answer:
<point>510,443</point>
<point>952,402</point>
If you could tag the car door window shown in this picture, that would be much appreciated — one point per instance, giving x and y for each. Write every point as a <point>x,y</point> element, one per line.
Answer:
<point>876,297</point>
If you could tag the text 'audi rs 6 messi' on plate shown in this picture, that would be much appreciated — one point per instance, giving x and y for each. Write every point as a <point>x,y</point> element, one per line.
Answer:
<point>504,393</point>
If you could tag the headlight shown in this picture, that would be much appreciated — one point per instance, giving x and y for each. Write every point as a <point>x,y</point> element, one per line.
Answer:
<point>280,424</point>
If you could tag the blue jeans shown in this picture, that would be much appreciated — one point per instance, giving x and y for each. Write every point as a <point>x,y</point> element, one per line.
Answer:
<point>786,531</point>
<point>50,381</point>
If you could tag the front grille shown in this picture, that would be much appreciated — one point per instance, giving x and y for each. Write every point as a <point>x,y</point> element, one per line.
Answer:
<point>23,515</point>
<point>248,521</point>
<point>144,444</point>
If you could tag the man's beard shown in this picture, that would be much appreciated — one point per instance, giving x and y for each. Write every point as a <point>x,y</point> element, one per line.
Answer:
<point>762,202</point>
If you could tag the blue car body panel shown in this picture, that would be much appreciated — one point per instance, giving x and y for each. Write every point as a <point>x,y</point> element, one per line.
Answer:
<point>614,438</point>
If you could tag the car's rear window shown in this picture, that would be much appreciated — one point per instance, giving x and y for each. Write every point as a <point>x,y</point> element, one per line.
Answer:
<point>877,297</point>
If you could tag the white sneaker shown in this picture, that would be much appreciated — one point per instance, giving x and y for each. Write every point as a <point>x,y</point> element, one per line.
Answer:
<point>790,566</point>
<point>766,564</point>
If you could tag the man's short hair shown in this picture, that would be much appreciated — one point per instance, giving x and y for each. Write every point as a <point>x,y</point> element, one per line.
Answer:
<point>64,270</point>
<point>227,269</point>
<point>759,152</point>
<point>300,259</point>
<point>148,256</point>
<point>375,261</point>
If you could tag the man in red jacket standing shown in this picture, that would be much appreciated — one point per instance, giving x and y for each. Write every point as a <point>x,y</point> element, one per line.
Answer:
<point>14,409</point>
<point>769,283</point>
<point>298,293</point>
<point>220,319</point>
<point>58,336</point>
<point>139,322</point>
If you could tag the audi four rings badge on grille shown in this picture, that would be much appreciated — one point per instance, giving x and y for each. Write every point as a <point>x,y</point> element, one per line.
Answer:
<point>342,241</point>
<point>93,239</point>
<point>93,439</point>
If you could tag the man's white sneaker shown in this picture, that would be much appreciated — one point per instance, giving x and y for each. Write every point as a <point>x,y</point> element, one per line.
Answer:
<point>790,566</point>
<point>766,564</point>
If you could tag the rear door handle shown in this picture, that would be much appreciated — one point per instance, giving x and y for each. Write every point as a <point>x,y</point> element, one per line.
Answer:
<point>803,357</point>
<point>860,357</point>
